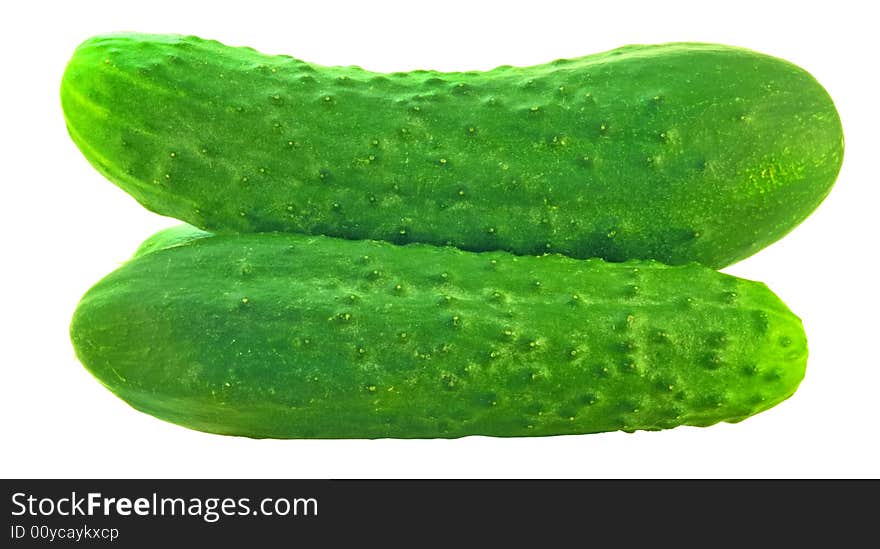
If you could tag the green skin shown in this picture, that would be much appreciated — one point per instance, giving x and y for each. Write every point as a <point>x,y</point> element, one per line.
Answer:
<point>295,336</point>
<point>678,152</point>
<point>170,237</point>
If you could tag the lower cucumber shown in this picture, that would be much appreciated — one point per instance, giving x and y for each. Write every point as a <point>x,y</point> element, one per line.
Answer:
<point>291,336</point>
<point>170,237</point>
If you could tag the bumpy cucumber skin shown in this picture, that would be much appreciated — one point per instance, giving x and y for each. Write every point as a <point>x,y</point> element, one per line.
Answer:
<point>677,152</point>
<point>293,336</point>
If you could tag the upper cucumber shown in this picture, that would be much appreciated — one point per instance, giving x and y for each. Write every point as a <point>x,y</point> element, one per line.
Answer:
<point>676,152</point>
<point>292,336</point>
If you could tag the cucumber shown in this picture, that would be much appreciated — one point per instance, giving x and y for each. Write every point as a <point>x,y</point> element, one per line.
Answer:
<point>676,152</point>
<point>170,237</point>
<point>296,336</point>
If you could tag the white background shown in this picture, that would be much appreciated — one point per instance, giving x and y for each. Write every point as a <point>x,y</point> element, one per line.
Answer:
<point>65,227</point>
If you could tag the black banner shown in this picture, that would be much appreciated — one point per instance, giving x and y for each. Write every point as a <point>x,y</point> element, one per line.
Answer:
<point>258,513</point>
